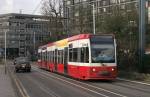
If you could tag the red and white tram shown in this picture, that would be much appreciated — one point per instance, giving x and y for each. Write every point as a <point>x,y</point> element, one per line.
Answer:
<point>84,56</point>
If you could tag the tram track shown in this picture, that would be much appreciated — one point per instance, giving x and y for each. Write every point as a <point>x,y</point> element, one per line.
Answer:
<point>42,87</point>
<point>126,87</point>
<point>85,85</point>
<point>47,84</point>
<point>132,87</point>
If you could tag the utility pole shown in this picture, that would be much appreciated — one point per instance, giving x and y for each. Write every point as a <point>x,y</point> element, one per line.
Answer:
<point>93,15</point>
<point>5,53</point>
<point>93,19</point>
<point>142,19</point>
<point>67,25</point>
<point>34,42</point>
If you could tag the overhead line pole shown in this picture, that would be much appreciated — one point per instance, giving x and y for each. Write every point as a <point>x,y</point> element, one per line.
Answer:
<point>37,7</point>
<point>94,28</point>
<point>5,54</point>
<point>93,14</point>
<point>142,25</point>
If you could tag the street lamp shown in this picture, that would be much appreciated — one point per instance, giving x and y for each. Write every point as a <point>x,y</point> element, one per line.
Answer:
<point>93,15</point>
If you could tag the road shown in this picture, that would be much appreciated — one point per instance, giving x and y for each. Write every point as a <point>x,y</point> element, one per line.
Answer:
<point>41,83</point>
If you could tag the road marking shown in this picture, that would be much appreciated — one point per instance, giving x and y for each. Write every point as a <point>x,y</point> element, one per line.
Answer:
<point>75,85</point>
<point>44,89</point>
<point>134,81</point>
<point>82,83</point>
<point>24,90</point>
<point>19,85</point>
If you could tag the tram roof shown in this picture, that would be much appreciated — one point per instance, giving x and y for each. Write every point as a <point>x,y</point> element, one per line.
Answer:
<point>63,42</point>
<point>78,37</point>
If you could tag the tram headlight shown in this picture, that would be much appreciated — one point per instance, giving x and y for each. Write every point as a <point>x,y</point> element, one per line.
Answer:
<point>93,69</point>
<point>112,69</point>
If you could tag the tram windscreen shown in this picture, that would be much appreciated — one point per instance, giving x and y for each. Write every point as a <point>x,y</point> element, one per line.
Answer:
<point>102,49</point>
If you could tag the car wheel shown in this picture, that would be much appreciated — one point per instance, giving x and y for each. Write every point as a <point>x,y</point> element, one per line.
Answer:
<point>28,70</point>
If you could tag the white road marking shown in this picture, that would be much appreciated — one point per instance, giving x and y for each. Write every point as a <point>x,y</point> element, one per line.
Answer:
<point>134,81</point>
<point>84,84</point>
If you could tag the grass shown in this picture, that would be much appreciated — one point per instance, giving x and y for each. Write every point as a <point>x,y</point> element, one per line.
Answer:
<point>135,76</point>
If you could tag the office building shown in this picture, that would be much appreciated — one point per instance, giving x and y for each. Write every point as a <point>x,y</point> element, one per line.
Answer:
<point>24,33</point>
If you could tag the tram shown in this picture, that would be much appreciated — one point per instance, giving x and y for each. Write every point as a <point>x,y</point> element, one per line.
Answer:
<point>83,56</point>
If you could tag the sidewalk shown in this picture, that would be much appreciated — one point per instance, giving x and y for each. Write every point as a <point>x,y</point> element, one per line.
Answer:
<point>6,88</point>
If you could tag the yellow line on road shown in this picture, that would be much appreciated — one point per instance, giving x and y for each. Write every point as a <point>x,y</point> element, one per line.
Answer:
<point>20,87</point>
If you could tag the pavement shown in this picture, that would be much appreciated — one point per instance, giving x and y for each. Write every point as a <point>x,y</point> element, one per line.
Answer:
<point>6,87</point>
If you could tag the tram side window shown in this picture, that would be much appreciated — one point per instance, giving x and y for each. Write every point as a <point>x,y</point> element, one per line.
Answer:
<point>38,55</point>
<point>44,56</point>
<point>84,55</point>
<point>50,56</point>
<point>59,56</point>
<point>62,59</point>
<point>71,55</point>
<point>56,56</point>
<point>47,56</point>
<point>75,54</point>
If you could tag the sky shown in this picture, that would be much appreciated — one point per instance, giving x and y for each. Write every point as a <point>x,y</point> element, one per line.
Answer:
<point>14,6</point>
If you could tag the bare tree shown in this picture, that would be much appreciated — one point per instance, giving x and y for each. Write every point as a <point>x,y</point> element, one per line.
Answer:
<point>53,9</point>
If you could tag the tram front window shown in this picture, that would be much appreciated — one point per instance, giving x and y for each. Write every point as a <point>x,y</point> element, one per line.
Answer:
<point>102,50</point>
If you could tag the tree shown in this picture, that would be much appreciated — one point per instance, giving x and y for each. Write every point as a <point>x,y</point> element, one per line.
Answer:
<point>54,9</point>
<point>124,25</point>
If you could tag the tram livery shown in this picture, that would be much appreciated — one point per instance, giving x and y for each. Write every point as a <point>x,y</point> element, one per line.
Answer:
<point>83,56</point>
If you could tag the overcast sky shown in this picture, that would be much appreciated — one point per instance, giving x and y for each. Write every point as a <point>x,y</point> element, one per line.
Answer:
<point>14,6</point>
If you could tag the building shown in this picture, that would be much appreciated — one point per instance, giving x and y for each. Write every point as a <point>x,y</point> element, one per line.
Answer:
<point>80,15</point>
<point>24,33</point>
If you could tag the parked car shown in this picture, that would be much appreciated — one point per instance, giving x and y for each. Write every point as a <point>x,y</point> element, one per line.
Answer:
<point>22,63</point>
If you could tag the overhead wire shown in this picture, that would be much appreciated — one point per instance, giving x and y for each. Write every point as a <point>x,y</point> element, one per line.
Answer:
<point>37,7</point>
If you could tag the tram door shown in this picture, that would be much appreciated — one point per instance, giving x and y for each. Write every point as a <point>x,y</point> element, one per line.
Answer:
<point>66,60</point>
<point>55,62</point>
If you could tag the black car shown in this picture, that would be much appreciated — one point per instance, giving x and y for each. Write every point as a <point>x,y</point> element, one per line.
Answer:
<point>22,63</point>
